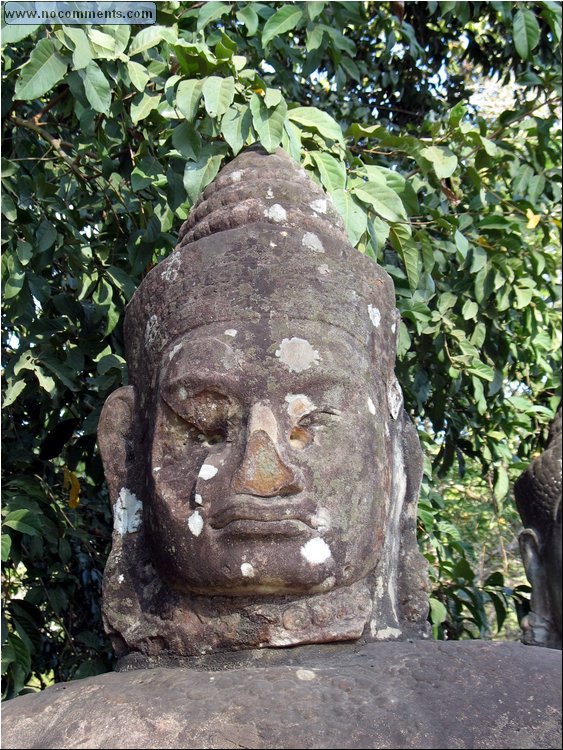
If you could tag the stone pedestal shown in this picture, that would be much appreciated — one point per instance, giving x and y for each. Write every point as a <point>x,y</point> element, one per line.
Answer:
<point>422,694</point>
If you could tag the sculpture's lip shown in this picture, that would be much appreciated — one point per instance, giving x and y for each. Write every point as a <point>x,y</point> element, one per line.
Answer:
<point>257,515</point>
<point>252,527</point>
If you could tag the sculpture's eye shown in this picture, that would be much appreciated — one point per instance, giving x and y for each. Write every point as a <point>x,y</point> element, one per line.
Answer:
<point>210,415</point>
<point>209,439</point>
<point>303,433</point>
<point>300,437</point>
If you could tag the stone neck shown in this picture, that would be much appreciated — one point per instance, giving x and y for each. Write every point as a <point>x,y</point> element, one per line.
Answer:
<point>161,626</point>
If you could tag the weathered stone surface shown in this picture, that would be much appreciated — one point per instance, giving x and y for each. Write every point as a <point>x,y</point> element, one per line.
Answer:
<point>263,472</point>
<point>538,497</point>
<point>384,695</point>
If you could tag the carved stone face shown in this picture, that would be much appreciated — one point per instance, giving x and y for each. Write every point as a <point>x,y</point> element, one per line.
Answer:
<point>270,460</point>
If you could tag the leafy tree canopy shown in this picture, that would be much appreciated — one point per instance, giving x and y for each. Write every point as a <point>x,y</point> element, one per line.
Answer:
<point>110,133</point>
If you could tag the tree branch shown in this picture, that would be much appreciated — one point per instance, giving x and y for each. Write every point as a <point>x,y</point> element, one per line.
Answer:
<point>54,142</point>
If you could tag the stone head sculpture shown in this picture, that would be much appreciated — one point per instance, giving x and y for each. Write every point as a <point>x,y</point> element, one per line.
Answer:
<point>263,472</point>
<point>538,498</point>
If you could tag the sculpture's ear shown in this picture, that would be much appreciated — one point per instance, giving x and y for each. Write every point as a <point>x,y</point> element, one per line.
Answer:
<point>530,552</point>
<point>414,584</point>
<point>534,565</point>
<point>115,438</point>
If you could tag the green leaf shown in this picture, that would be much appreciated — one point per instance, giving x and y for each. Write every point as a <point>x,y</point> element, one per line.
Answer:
<point>211,11</point>
<point>523,297</point>
<point>314,38</point>
<point>332,172</point>
<point>314,119</point>
<point>96,87</point>
<point>407,250</point>
<point>525,32</point>
<point>82,54</point>
<point>384,201</point>
<point>144,106</point>
<point>438,611</point>
<point>13,391</point>
<point>9,209</point>
<point>502,483</point>
<point>272,98</point>
<point>12,33</point>
<point>138,74</point>
<point>397,183</point>
<point>283,20</point>
<point>23,521</point>
<point>6,547</point>
<point>103,45</point>
<point>218,94</point>
<point>249,18</point>
<point>235,127</point>
<point>44,69</point>
<point>461,243</point>
<point>268,123</point>
<point>456,114</point>
<point>314,9</point>
<point>355,219</point>
<point>200,173</point>
<point>470,310</point>
<point>483,371</point>
<point>443,160</point>
<point>188,95</point>
<point>150,37</point>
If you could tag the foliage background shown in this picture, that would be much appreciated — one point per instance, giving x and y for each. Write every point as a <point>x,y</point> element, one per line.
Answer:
<point>109,134</point>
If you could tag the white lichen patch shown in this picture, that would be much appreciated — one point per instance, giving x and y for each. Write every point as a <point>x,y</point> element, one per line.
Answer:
<point>371,406</point>
<point>297,354</point>
<point>171,267</point>
<point>305,674</point>
<point>127,512</point>
<point>120,578</point>
<point>207,471</point>
<point>375,315</point>
<point>276,213</point>
<point>316,551</point>
<point>319,205</point>
<point>321,520</point>
<point>195,523</point>
<point>198,499</point>
<point>174,351</point>
<point>312,242</point>
<point>298,404</point>
<point>236,176</point>
<point>269,193</point>
<point>232,332</point>
<point>247,570</point>
<point>324,269</point>
<point>182,393</point>
<point>379,588</point>
<point>152,331</point>
<point>394,397</point>
<point>385,634</point>
<point>273,244</point>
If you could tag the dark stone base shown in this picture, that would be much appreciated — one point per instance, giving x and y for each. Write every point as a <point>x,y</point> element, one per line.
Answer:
<point>422,694</point>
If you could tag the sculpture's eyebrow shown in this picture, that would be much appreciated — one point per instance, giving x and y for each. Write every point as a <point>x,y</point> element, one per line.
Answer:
<point>318,381</point>
<point>194,383</point>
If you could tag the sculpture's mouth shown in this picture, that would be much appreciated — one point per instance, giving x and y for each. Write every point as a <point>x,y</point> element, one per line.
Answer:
<point>252,527</point>
<point>258,518</point>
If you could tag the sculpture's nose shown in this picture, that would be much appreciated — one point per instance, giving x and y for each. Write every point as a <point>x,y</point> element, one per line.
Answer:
<point>262,471</point>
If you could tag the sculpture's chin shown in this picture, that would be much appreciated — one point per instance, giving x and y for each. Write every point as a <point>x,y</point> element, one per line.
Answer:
<point>268,587</point>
